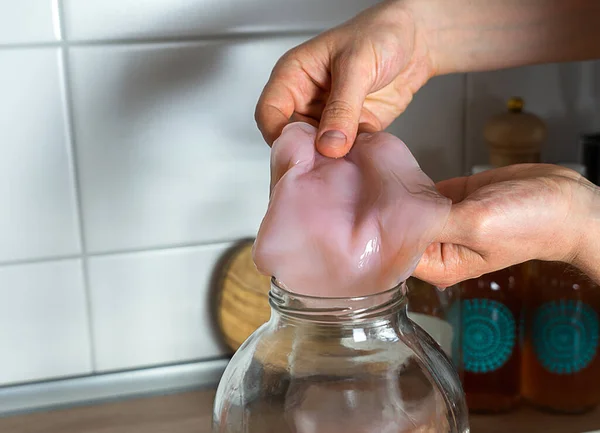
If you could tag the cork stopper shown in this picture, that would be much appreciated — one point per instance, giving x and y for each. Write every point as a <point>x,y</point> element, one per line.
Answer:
<point>515,136</point>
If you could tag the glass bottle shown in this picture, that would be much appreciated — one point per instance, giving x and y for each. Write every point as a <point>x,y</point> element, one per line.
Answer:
<point>348,365</point>
<point>490,327</point>
<point>515,136</point>
<point>561,354</point>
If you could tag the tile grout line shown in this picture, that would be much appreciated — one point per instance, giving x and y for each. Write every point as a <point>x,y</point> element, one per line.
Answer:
<point>199,38</point>
<point>67,95</point>
<point>37,260</point>
<point>151,249</point>
<point>167,247</point>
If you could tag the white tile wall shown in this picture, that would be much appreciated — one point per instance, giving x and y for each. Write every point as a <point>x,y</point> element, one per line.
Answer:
<point>153,307</point>
<point>29,21</point>
<point>38,217</point>
<point>158,109</point>
<point>44,330</point>
<point>167,145</point>
<point>135,19</point>
<point>566,97</point>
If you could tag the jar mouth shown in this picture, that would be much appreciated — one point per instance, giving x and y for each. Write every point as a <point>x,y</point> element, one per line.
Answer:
<point>336,309</point>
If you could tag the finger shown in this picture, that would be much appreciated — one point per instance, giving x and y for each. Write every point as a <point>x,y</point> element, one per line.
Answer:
<point>444,265</point>
<point>367,127</point>
<point>457,189</point>
<point>297,117</point>
<point>341,115</point>
<point>310,110</point>
<point>278,100</point>
<point>274,109</point>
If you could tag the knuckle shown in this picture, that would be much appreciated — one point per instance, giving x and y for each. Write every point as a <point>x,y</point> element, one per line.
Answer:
<point>338,109</point>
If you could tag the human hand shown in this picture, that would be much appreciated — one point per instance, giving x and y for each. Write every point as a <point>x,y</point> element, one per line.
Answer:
<point>512,215</point>
<point>364,72</point>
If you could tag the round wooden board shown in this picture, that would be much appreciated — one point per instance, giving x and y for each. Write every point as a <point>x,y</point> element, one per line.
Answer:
<point>242,295</point>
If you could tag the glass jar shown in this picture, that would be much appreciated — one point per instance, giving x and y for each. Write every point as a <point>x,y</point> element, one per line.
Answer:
<point>328,365</point>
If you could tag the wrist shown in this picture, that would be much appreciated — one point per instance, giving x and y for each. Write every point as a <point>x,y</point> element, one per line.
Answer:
<point>586,252</point>
<point>437,28</point>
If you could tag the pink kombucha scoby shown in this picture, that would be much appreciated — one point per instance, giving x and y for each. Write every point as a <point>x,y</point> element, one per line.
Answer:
<point>346,227</point>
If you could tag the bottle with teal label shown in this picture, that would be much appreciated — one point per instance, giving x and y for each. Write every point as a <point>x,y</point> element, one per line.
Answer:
<point>561,354</point>
<point>491,308</point>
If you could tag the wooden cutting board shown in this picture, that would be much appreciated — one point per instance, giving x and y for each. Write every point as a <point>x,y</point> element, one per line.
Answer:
<point>241,295</point>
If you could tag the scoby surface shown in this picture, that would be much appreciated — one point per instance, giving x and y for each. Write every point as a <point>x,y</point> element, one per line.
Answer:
<point>344,227</point>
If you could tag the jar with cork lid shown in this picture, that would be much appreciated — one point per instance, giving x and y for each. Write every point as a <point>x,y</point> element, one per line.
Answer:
<point>515,136</point>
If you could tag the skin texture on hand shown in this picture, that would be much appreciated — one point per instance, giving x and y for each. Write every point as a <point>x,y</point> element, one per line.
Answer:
<point>511,215</point>
<point>364,72</point>
<point>468,36</point>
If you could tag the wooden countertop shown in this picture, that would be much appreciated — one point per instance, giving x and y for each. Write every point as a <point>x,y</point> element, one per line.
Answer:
<point>191,413</point>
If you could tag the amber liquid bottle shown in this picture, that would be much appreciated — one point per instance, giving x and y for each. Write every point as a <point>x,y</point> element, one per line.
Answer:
<point>491,348</point>
<point>561,353</point>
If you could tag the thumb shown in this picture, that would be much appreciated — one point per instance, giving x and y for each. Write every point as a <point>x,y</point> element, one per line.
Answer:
<point>339,121</point>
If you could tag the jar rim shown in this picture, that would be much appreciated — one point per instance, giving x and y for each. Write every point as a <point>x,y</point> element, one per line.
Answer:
<point>336,309</point>
<point>280,286</point>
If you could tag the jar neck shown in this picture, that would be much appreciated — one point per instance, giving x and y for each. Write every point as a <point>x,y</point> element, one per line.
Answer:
<point>357,311</point>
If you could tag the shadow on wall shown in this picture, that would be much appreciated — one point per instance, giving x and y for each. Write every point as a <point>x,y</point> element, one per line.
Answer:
<point>164,76</point>
<point>141,126</point>
<point>168,75</point>
<point>181,18</point>
<point>217,16</point>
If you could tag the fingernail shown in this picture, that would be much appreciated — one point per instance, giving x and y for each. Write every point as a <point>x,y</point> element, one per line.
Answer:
<point>334,140</point>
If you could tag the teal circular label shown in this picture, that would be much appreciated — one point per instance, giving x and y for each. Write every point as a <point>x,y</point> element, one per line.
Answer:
<point>489,335</point>
<point>565,336</point>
